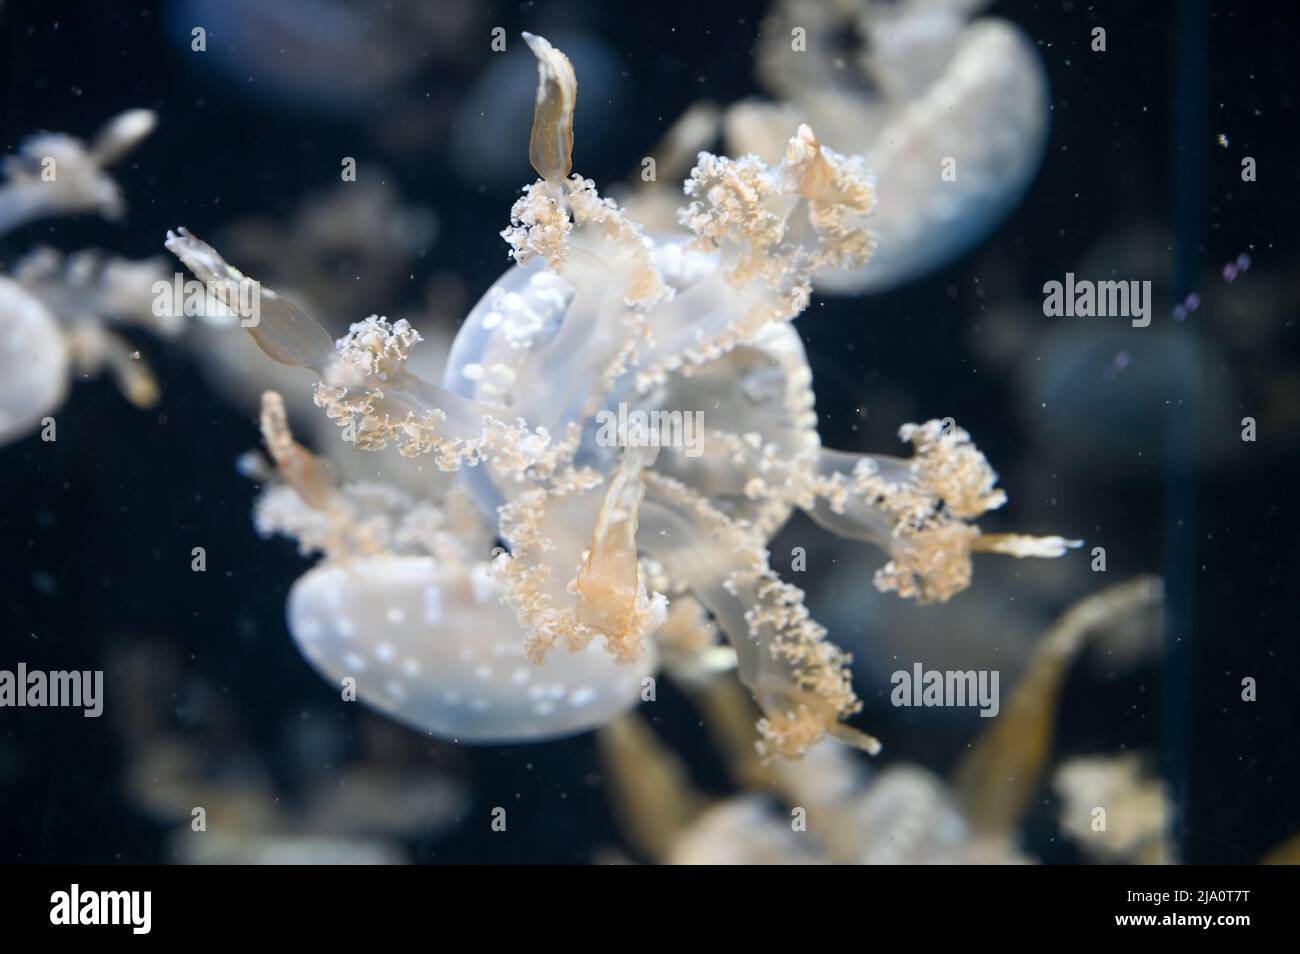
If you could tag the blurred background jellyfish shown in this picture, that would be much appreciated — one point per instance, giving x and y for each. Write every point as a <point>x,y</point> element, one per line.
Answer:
<point>423,62</point>
<point>60,315</point>
<point>295,48</point>
<point>447,76</point>
<point>346,245</point>
<point>594,359</point>
<point>950,112</point>
<point>831,809</point>
<point>1114,810</point>
<point>320,792</point>
<point>54,174</point>
<point>1087,387</point>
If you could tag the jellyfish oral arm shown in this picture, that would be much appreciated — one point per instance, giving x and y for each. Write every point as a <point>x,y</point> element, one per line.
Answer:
<point>798,677</point>
<point>365,384</point>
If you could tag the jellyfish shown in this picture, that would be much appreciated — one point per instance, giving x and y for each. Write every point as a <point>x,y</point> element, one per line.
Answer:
<point>58,312</point>
<point>1136,806</point>
<point>58,318</point>
<point>343,246</point>
<point>851,813</point>
<point>951,113</point>
<point>567,406</point>
<point>57,174</point>
<point>405,610</point>
<point>999,774</point>
<point>289,48</point>
<point>839,811</point>
<point>374,790</point>
<point>411,55</point>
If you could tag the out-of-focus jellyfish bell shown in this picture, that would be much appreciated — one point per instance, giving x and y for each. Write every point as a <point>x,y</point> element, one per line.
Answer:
<point>34,361</point>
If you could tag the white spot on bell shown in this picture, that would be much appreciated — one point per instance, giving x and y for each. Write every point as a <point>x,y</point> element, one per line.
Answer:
<point>582,696</point>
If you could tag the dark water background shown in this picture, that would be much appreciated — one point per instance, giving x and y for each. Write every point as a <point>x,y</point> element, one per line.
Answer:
<point>96,529</point>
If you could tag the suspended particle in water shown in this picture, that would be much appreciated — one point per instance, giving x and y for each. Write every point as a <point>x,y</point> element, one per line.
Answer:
<point>1121,362</point>
<point>1223,140</point>
<point>1239,267</point>
<point>1189,305</point>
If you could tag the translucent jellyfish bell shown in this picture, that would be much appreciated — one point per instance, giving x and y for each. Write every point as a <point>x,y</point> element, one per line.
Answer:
<point>405,608</point>
<point>952,113</point>
<point>533,346</point>
<point>762,390</point>
<point>431,646</point>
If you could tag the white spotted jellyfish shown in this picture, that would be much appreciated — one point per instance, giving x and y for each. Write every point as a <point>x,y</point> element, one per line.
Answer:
<point>952,110</point>
<point>615,544</point>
